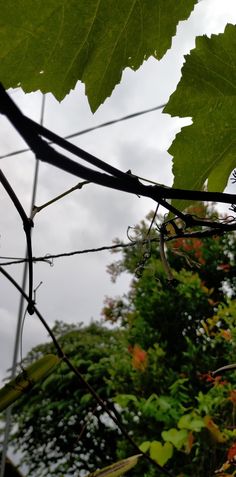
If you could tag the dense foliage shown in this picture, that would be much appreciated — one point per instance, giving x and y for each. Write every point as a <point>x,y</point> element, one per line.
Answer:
<point>153,369</point>
<point>59,421</point>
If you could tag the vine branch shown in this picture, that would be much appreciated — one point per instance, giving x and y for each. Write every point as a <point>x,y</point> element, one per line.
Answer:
<point>27,225</point>
<point>113,178</point>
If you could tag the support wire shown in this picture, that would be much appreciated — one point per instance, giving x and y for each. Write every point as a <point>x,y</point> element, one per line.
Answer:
<point>20,315</point>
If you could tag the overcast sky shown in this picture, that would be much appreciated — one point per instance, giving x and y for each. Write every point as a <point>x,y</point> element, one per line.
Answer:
<point>74,289</point>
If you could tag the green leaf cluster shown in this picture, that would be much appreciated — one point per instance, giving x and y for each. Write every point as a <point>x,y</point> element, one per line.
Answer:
<point>61,427</point>
<point>172,407</point>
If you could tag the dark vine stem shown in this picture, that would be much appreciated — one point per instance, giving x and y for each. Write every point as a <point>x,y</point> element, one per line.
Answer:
<point>27,225</point>
<point>153,220</point>
<point>82,379</point>
<point>114,178</point>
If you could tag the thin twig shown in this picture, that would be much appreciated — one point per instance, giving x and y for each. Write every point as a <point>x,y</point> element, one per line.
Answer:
<point>43,321</point>
<point>48,257</point>
<point>153,220</point>
<point>37,209</point>
<point>27,225</point>
<point>85,423</point>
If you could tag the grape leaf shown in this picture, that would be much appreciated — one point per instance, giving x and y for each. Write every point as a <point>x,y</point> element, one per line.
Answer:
<point>191,422</point>
<point>161,453</point>
<point>177,437</point>
<point>51,45</point>
<point>206,150</point>
<point>145,446</point>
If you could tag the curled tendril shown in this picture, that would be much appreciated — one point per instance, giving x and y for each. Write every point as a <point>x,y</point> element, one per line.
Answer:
<point>48,259</point>
<point>178,228</point>
<point>139,271</point>
<point>233,178</point>
<point>35,291</point>
<point>228,220</point>
<point>129,236</point>
<point>145,257</point>
<point>233,208</point>
<point>225,220</point>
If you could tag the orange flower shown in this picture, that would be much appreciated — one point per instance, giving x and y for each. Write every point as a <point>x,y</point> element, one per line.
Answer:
<point>232,452</point>
<point>139,358</point>
<point>215,381</point>
<point>232,397</point>
<point>226,334</point>
<point>189,443</point>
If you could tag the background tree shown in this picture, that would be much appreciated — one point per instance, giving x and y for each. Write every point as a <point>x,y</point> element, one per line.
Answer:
<point>59,421</point>
<point>153,369</point>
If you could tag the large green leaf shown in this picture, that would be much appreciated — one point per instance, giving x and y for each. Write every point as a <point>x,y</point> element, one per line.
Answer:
<point>161,453</point>
<point>124,399</point>
<point>51,45</point>
<point>176,437</point>
<point>192,422</point>
<point>117,469</point>
<point>145,446</point>
<point>26,380</point>
<point>206,150</point>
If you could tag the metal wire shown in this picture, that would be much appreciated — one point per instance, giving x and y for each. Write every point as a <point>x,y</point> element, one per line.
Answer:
<point>88,130</point>
<point>20,315</point>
